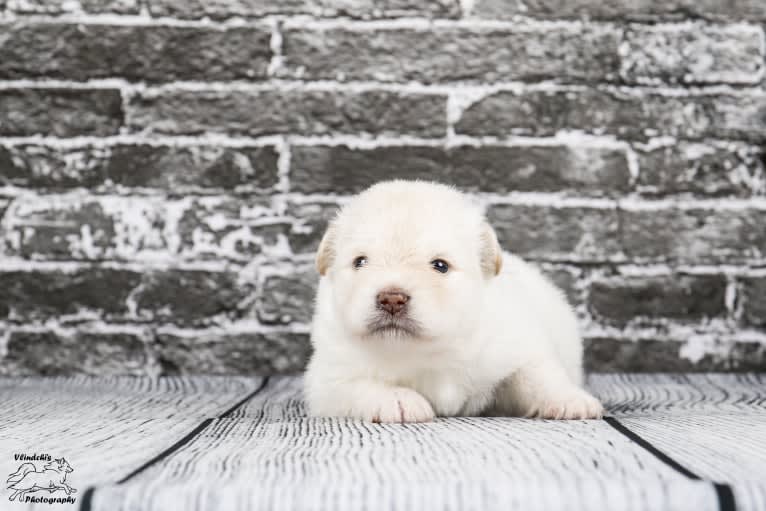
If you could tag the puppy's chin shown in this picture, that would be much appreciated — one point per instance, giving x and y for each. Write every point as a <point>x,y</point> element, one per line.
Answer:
<point>385,326</point>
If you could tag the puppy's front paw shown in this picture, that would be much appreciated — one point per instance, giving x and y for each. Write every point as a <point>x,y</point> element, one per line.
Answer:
<point>572,403</point>
<point>398,404</point>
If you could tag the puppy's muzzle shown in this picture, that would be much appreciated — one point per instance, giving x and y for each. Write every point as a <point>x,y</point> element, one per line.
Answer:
<point>394,301</point>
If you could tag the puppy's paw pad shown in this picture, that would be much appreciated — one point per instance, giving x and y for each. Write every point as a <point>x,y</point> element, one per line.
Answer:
<point>571,405</point>
<point>402,405</point>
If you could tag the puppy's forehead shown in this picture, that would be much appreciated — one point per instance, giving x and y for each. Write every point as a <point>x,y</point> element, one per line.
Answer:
<point>419,216</point>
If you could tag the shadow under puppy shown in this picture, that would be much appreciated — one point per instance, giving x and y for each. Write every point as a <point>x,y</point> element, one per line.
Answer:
<point>420,313</point>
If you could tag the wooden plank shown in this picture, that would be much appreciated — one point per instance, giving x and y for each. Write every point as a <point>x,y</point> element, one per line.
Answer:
<point>636,395</point>
<point>105,427</point>
<point>727,448</point>
<point>269,456</point>
<point>117,398</point>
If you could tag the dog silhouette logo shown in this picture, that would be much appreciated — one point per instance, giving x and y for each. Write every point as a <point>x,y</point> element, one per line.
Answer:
<point>28,480</point>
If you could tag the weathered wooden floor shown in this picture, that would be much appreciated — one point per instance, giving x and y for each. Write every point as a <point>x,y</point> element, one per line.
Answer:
<point>674,442</point>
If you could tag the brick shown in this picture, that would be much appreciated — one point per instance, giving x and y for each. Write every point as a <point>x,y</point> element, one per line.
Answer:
<point>693,54</point>
<point>703,169</point>
<point>310,223</point>
<point>289,298</point>
<point>365,9</point>
<point>108,6</point>
<point>172,168</point>
<point>302,112</point>
<point>134,52</point>
<point>69,6</point>
<point>604,354</point>
<point>642,10</point>
<point>557,233</point>
<point>566,279</point>
<point>658,355</point>
<point>694,235</point>
<point>622,300</point>
<point>633,115</point>
<point>140,228</point>
<point>224,228</point>
<point>442,54</point>
<point>34,295</point>
<point>60,112</point>
<point>754,298</point>
<point>191,297</point>
<point>173,296</point>
<point>58,230</point>
<point>233,354</point>
<point>498,169</point>
<point>40,6</point>
<point>50,353</point>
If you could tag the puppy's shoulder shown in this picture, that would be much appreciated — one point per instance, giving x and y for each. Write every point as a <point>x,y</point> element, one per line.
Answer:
<point>515,266</point>
<point>525,277</point>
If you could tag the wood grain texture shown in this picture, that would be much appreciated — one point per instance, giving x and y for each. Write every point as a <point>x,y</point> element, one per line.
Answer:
<point>106,427</point>
<point>266,454</point>
<point>466,463</point>
<point>723,448</point>
<point>121,398</point>
<point>628,395</point>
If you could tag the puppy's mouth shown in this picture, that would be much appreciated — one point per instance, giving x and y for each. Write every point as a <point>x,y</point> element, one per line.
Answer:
<point>397,326</point>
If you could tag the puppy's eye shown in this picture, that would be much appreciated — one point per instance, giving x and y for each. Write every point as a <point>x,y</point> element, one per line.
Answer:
<point>360,261</point>
<point>440,265</point>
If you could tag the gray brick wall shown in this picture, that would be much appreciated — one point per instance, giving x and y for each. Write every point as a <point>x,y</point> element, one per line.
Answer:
<point>167,168</point>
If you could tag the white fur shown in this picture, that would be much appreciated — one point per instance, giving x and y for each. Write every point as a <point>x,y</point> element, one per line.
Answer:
<point>489,343</point>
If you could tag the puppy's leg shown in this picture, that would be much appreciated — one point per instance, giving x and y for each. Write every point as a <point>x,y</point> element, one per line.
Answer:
<point>368,400</point>
<point>543,390</point>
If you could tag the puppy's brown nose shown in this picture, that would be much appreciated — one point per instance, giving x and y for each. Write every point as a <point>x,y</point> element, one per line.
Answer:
<point>392,300</point>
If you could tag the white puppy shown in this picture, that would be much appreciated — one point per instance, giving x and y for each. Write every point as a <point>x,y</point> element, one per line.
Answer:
<point>419,313</point>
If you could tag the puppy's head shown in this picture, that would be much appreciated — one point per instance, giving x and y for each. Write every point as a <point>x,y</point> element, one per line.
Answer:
<point>409,259</point>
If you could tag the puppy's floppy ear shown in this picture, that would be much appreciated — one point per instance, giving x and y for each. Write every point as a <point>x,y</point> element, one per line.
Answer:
<point>491,252</point>
<point>326,250</point>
